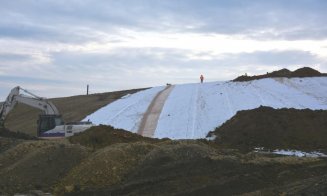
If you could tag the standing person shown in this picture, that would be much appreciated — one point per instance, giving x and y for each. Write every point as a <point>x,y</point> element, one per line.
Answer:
<point>201,78</point>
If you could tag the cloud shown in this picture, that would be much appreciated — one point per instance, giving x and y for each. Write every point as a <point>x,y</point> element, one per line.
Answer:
<point>126,68</point>
<point>57,47</point>
<point>57,20</point>
<point>13,57</point>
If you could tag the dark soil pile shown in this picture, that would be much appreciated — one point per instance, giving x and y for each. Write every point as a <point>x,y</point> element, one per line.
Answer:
<point>7,143</point>
<point>37,165</point>
<point>311,186</point>
<point>193,168</point>
<point>105,167</point>
<point>302,72</point>
<point>165,167</point>
<point>17,135</point>
<point>275,129</point>
<point>100,136</point>
<point>9,139</point>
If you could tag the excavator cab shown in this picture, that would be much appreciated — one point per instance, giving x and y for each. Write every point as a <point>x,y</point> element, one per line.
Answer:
<point>48,122</point>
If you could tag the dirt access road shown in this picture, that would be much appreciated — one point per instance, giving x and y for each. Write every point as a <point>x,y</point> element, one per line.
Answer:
<point>151,116</point>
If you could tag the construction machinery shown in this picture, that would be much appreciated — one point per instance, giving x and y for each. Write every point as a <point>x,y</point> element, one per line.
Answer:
<point>50,123</point>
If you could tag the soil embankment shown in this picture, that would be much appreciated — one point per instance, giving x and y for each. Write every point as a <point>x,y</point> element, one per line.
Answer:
<point>302,72</point>
<point>275,129</point>
<point>101,136</point>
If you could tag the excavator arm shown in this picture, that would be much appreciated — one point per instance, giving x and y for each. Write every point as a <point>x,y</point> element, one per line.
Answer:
<point>50,123</point>
<point>32,100</point>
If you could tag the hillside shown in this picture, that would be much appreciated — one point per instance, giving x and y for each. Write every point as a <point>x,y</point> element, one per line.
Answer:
<point>24,118</point>
<point>192,110</point>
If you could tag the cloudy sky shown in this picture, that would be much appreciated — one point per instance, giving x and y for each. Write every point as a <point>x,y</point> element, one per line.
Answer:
<point>55,47</point>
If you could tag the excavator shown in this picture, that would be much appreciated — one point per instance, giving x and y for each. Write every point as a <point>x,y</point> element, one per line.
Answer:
<point>50,123</point>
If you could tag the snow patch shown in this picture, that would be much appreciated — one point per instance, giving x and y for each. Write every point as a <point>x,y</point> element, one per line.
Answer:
<point>296,153</point>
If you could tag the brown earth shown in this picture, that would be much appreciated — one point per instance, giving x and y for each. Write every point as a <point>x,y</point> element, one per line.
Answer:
<point>105,167</point>
<point>24,118</point>
<point>17,135</point>
<point>275,129</point>
<point>101,136</point>
<point>9,139</point>
<point>194,168</point>
<point>302,72</point>
<point>123,163</point>
<point>32,165</point>
<point>7,143</point>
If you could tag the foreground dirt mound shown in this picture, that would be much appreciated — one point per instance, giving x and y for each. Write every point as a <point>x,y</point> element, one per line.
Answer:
<point>164,167</point>
<point>37,165</point>
<point>100,136</point>
<point>311,186</point>
<point>105,167</point>
<point>275,129</point>
<point>194,168</point>
<point>7,143</point>
<point>302,72</point>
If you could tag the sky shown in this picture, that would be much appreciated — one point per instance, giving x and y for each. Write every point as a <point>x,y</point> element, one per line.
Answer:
<point>54,48</point>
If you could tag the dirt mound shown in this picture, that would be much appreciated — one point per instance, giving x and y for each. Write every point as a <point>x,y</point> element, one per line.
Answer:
<point>310,186</point>
<point>105,167</point>
<point>7,143</point>
<point>302,72</point>
<point>17,135</point>
<point>100,136</point>
<point>194,168</point>
<point>37,165</point>
<point>306,72</point>
<point>275,129</point>
<point>187,167</point>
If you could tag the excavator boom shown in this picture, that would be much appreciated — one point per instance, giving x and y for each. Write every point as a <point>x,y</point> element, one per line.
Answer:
<point>50,123</point>
<point>15,97</point>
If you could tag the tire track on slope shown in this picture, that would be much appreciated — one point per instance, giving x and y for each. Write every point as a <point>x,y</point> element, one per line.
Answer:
<point>150,118</point>
<point>128,107</point>
<point>231,110</point>
<point>298,88</point>
<point>257,93</point>
<point>195,109</point>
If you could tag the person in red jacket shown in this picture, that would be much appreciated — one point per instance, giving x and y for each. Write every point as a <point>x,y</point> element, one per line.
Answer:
<point>201,78</point>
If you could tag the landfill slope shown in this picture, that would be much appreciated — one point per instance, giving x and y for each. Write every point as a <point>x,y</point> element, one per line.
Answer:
<point>193,110</point>
<point>73,109</point>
